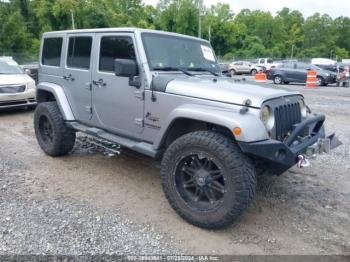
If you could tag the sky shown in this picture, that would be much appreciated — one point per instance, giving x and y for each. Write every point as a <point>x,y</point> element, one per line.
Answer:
<point>334,8</point>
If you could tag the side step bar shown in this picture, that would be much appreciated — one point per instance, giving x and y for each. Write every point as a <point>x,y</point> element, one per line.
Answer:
<point>140,147</point>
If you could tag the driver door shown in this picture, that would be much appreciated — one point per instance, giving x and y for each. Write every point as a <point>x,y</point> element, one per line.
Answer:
<point>117,106</point>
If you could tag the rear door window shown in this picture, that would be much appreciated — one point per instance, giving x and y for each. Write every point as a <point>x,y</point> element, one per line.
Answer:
<point>114,47</point>
<point>79,52</point>
<point>52,49</point>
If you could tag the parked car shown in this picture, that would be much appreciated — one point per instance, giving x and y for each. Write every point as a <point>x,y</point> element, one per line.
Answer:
<point>17,89</point>
<point>160,94</point>
<point>297,73</point>
<point>322,61</point>
<point>267,63</point>
<point>244,67</point>
<point>31,69</point>
<point>325,63</point>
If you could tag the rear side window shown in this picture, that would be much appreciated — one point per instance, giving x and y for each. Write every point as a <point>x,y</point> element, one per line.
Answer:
<point>113,47</point>
<point>303,66</point>
<point>79,52</point>
<point>52,49</point>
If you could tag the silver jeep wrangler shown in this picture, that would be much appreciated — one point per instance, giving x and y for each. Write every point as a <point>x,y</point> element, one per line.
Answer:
<point>161,94</point>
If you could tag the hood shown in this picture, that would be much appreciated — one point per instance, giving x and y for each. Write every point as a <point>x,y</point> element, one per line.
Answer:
<point>328,72</point>
<point>224,90</point>
<point>15,79</point>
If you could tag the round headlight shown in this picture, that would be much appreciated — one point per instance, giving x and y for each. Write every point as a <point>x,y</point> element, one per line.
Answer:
<point>303,108</point>
<point>267,117</point>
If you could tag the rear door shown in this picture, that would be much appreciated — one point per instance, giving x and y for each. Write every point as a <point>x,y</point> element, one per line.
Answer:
<point>77,75</point>
<point>238,66</point>
<point>288,70</point>
<point>246,67</point>
<point>117,106</point>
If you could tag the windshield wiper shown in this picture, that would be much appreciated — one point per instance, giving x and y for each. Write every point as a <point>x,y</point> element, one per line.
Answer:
<point>202,69</point>
<point>169,68</point>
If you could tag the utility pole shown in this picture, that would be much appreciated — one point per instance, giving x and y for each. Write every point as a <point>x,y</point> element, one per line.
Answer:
<point>292,52</point>
<point>73,23</point>
<point>209,31</point>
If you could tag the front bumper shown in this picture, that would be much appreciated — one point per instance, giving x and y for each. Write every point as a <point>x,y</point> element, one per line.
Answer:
<point>283,155</point>
<point>331,79</point>
<point>17,100</point>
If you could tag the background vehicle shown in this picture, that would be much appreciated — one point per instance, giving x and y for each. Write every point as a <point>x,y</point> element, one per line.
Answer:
<point>267,63</point>
<point>322,61</point>
<point>161,94</point>
<point>325,63</point>
<point>297,73</point>
<point>31,69</point>
<point>17,89</point>
<point>244,67</point>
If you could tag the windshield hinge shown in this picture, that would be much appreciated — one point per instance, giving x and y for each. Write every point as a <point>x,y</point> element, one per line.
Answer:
<point>140,95</point>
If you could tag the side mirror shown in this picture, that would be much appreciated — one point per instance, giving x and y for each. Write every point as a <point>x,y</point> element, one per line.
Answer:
<point>125,67</point>
<point>27,71</point>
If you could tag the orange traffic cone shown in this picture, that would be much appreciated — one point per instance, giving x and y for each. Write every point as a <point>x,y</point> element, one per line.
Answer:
<point>311,80</point>
<point>260,77</point>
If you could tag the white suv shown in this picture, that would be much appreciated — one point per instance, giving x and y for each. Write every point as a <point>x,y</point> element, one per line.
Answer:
<point>17,89</point>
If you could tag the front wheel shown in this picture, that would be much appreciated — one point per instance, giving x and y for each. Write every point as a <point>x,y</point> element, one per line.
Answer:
<point>233,72</point>
<point>207,179</point>
<point>320,81</point>
<point>253,72</point>
<point>53,136</point>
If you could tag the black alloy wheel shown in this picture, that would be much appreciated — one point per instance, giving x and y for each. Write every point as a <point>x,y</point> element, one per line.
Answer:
<point>200,182</point>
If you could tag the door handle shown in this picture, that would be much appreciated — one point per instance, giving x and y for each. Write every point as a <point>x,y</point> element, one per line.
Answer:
<point>99,83</point>
<point>69,77</point>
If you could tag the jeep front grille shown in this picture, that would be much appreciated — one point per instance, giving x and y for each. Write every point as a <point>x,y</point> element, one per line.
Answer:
<point>286,116</point>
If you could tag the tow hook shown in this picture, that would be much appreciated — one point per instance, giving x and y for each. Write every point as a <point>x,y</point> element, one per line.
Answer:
<point>303,161</point>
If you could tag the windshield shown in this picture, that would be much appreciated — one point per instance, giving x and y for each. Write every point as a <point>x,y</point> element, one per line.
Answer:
<point>165,51</point>
<point>315,67</point>
<point>9,68</point>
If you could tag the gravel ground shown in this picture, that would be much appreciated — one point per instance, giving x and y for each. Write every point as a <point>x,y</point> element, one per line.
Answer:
<point>93,202</point>
<point>59,225</point>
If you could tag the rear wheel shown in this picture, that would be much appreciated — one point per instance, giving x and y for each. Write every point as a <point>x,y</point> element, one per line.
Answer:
<point>278,80</point>
<point>53,136</point>
<point>207,179</point>
<point>233,72</point>
<point>253,72</point>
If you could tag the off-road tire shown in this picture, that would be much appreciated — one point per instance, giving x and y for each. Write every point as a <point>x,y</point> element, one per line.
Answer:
<point>62,139</point>
<point>239,175</point>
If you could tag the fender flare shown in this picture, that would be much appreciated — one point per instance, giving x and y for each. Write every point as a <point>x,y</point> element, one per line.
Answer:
<point>252,127</point>
<point>60,97</point>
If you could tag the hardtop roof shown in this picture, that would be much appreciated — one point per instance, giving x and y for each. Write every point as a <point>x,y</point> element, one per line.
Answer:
<point>117,30</point>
